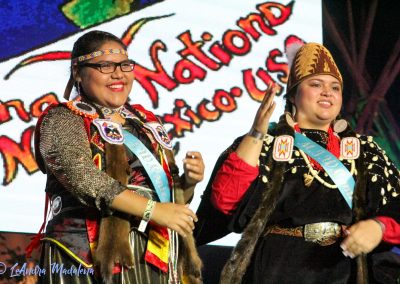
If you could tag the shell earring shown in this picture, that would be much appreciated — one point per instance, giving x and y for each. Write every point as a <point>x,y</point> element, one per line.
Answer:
<point>78,88</point>
<point>339,125</point>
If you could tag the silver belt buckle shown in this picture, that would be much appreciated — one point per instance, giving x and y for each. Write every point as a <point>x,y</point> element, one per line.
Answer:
<point>324,233</point>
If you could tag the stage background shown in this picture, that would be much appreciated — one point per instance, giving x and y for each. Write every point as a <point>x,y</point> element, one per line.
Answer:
<point>34,68</point>
<point>36,76</point>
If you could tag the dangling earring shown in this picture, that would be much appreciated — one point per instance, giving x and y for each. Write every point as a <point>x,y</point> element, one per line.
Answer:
<point>339,125</point>
<point>78,89</point>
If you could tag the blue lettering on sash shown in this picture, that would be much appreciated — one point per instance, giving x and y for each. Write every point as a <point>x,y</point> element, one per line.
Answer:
<point>339,174</point>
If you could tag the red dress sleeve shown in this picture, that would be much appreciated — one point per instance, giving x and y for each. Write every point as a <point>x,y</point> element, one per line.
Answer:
<point>231,182</point>
<point>392,230</point>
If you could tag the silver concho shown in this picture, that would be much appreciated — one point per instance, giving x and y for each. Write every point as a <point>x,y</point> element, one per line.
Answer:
<point>56,205</point>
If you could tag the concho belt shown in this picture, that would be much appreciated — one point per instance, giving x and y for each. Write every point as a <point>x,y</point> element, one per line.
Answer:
<point>324,233</point>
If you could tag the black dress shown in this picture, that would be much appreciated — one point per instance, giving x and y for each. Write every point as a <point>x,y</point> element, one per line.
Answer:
<point>287,259</point>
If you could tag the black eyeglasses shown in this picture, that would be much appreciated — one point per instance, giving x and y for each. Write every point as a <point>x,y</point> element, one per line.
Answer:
<point>110,67</point>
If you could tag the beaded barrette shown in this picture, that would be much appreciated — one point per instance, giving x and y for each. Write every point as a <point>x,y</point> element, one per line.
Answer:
<point>97,53</point>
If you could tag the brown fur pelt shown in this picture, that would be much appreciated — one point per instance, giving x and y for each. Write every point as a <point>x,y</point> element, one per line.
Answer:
<point>189,262</point>
<point>359,204</point>
<point>239,260</point>
<point>113,243</point>
<point>113,246</point>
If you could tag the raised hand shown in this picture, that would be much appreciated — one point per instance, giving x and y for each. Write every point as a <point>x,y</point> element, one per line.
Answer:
<point>264,112</point>
<point>250,148</point>
<point>193,167</point>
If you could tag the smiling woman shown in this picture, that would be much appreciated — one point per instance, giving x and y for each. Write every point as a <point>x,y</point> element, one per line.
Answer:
<point>309,194</point>
<point>318,100</point>
<point>105,84</point>
<point>110,171</point>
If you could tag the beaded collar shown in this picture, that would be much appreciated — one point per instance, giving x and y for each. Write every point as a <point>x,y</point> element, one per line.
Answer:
<point>109,111</point>
<point>318,136</point>
<point>122,111</point>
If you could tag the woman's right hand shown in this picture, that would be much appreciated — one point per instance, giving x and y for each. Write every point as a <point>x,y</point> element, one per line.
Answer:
<point>177,217</point>
<point>265,110</point>
<point>250,148</point>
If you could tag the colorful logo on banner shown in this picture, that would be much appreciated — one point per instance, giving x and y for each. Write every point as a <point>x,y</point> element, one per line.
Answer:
<point>155,78</point>
<point>70,17</point>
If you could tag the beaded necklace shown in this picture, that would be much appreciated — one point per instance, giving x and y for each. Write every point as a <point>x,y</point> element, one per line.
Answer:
<point>308,179</point>
<point>332,145</point>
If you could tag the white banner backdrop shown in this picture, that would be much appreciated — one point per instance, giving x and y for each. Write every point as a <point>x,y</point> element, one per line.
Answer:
<point>202,67</point>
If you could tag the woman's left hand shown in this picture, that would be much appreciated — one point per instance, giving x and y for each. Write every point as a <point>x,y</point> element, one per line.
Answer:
<point>193,166</point>
<point>362,237</point>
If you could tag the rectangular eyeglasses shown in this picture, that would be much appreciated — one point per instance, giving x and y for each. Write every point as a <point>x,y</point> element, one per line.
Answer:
<point>110,67</point>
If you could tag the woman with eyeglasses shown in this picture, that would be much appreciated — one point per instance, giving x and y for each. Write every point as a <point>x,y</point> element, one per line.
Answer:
<point>115,200</point>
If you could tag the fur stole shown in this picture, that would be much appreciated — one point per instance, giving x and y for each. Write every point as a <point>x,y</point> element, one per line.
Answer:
<point>239,260</point>
<point>359,213</point>
<point>189,262</point>
<point>113,243</point>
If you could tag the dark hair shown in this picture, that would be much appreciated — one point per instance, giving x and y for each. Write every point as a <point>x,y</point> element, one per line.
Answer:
<point>291,93</point>
<point>288,104</point>
<point>92,41</point>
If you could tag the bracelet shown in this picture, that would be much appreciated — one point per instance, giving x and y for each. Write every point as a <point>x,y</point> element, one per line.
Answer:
<point>256,134</point>
<point>146,215</point>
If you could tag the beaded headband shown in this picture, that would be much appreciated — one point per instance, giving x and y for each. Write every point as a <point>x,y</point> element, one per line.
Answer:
<point>97,53</point>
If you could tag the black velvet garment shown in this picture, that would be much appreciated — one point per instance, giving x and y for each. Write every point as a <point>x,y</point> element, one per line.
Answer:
<point>289,259</point>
